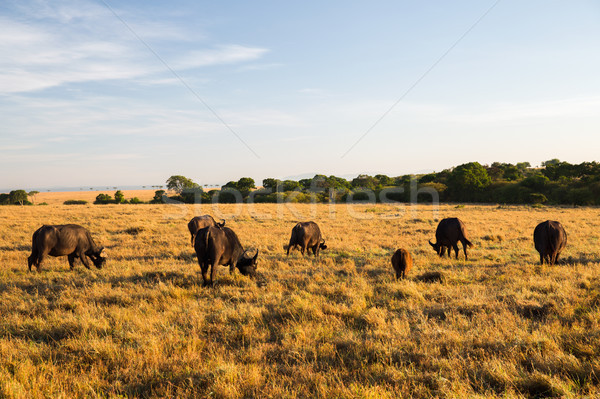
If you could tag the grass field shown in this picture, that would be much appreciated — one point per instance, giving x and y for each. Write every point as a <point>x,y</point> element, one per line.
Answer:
<point>340,326</point>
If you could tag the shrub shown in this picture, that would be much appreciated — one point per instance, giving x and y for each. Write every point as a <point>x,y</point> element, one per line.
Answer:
<point>75,202</point>
<point>103,199</point>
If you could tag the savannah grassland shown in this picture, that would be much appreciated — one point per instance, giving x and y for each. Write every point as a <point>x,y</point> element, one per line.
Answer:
<point>497,325</point>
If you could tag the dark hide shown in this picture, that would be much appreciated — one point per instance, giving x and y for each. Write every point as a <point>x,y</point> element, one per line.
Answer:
<point>200,222</point>
<point>221,246</point>
<point>306,235</point>
<point>449,232</point>
<point>550,239</point>
<point>71,240</point>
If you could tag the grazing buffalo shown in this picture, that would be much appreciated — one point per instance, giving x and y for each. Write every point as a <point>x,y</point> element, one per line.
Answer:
<point>306,235</point>
<point>200,222</point>
<point>68,239</point>
<point>221,246</point>
<point>550,239</point>
<point>402,263</point>
<point>449,232</point>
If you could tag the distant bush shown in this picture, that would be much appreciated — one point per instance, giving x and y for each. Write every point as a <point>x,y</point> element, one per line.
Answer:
<point>135,200</point>
<point>75,202</point>
<point>103,199</point>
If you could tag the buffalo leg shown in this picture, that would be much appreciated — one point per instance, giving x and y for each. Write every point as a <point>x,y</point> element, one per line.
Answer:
<point>213,274</point>
<point>455,246</point>
<point>465,250</point>
<point>204,268</point>
<point>302,249</point>
<point>315,250</point>
<point>541,259</point>
<point>84,259</point>
<point>288,250</point>
<point>449,251</point>
<point>71,258</point>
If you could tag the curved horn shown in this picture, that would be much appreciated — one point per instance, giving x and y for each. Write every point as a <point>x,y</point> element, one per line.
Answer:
<point>322,240</point>
<point>432,244</point>
<point>255,256</point>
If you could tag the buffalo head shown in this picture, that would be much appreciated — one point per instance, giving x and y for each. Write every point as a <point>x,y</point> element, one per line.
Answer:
<point>98,259</point>
<point>437,248</point>
<point>247,266</point>
<point>322,244</point>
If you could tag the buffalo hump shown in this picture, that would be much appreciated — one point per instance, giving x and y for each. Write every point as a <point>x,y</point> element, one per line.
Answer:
<point>200,222</point>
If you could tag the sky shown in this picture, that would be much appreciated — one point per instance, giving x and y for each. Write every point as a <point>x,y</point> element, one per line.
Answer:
<point>106,92</point>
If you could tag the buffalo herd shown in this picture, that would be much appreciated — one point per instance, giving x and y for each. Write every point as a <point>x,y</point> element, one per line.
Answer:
<point>217,245</point>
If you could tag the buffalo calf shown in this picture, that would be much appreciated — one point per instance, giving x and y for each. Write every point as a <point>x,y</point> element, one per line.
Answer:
<point>550,239</point>
<point>71,240</point>
<point>402,263</point>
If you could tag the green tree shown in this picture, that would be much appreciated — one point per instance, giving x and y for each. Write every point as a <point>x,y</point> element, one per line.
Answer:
<point>467,181</point>
<point>364,181</point>
<point>384,180</point>
<point>290,185</point>
<point>230,184</point>
<point>512,173</point>
<point>18,197</point>
<point>179,183</point>
<point>158,197</point>
<point>103,199</point>
<point>33,194</point>
<point>245,185</point>
<point>119,197</point>
<point>271,183</point>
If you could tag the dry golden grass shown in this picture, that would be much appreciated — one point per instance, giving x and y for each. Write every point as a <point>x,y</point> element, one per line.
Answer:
<point>58,197</point>
<point>340,326</point>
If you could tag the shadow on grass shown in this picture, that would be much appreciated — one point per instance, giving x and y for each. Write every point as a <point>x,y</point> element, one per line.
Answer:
<point>20,247</point>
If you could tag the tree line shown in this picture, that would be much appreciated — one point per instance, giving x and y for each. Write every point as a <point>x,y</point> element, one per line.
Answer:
<point>554,183</point>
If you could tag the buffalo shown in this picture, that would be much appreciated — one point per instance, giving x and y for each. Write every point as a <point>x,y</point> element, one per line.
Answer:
<point>449,232</point>
<point>71,240</point>
<point>200,222</point>
<point>306,235</point>
<point>550,239</point>
<point>221,246</point>
<point>402,263</point>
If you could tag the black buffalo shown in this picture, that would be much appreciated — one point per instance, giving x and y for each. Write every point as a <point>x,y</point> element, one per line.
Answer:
<point>550,239</point>
<point>71,240</point>
<point>200,222</point>
<point>449,232</point>
<point>306,235</point>
<point>221,246</point>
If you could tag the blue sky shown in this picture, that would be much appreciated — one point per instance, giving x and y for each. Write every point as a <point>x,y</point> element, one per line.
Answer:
<point>90,98</point>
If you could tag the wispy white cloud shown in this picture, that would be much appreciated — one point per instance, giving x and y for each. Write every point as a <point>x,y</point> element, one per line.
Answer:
<point>220,55</point>
<point>51,44</point>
